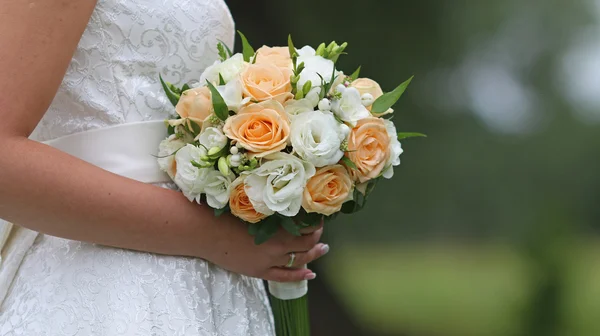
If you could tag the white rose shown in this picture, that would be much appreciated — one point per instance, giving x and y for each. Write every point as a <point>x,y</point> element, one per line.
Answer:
<point>349,108</point>
<point>166,154</point>
<point>232,94</point>
<point>314,66</point>
<point>277,185</point>
<point>296,107</point>
<point>217,189</point>
<point>316,137</point>
<point>189,178</point>
<point>212,137</point>
<point>395,149</point>
<point>229,69</point>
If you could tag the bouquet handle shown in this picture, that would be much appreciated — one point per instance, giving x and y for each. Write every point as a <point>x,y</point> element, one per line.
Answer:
<point>290,307</point>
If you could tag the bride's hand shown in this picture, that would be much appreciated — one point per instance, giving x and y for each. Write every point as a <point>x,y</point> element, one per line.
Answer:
<point>234,250</point>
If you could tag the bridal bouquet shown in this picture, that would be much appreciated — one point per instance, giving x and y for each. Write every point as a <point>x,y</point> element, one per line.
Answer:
<point>281,138</point>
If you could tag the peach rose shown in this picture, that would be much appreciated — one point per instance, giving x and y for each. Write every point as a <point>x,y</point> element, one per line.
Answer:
<point>327,190</point>
<point>262,128</point>
<point>195,104</point>
<point>240,204</point>
<point>280,56</point>
<point>262,82</point>
<point>366,85</point>
<point>368,148</point>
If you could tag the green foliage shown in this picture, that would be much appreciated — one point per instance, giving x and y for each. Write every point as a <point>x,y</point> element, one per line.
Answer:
<point>290,226</point>
<point>266,229</point>
<point>410,135</point>
<point>348,162</point>
<point>171,91</point>
<point>222,51</point>
<point>221,80</point>
<point>387,100</point>
<point>224,45</point>
<point>219,212</point>
<point>221,110</point>
<point>247,49</point>
<point>355,74</point>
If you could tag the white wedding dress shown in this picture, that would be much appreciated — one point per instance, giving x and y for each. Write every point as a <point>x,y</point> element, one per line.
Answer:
<point>65,287</point>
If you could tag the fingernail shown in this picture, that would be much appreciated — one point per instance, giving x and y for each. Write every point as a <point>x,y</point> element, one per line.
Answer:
<point>324,249</point>
<point>310,276</point>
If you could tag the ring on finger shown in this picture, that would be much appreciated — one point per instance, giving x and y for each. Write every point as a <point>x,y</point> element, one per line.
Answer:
<point>291,261</point>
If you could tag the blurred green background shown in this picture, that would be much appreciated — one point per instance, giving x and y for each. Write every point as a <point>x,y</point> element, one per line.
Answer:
<point>490,225</point>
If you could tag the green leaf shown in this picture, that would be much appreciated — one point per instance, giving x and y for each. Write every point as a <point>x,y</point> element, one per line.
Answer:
<point>312,219</point>
<point>170,130</point>
<point>348,162</point>
<point>387,100</point>
<point>173,97</point>
<point>267,230</point>
<point>247,49</point>
<point>219,212</point>
<point>229,53</point>
<point>328,85</point>
<point>291,227</point>
<point>370,187</point>
<point>348,207</point>
<point>355,74</point>
<point>185,87</point>
<point>410,135</point>
<point>219,105</point>
<point>222,52</point>
<point>254,228</point>
<point>221,80</point>
<point>195,128</point>
<point>291,47</point>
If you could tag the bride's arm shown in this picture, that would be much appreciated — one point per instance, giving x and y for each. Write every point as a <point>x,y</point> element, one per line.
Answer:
<point>49,191</point>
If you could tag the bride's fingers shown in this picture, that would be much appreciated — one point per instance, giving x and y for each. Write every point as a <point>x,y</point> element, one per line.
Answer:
<point>303,258</point>
<point>289,274</point>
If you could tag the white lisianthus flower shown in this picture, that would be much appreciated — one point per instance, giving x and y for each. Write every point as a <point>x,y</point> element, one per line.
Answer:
<point>277,185</point>
<point>189,178</point>
<point>349,108</point>
<point>316,137</point>
<point>166,154</point>
<point>395,149</point>
<point>313,96</point>
<point>294,107</point>
<point>229,69</point>
<point>314,66</point>
<point>232,94</point>
<point>212,137</point>
<point>217,189</point>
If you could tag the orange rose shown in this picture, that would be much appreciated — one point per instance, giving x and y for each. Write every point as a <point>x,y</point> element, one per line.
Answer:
<point>262,128</point>
<point>195,104</point>
<point>240,204</point>
<point>366,85</point>
<point>368,148</point>
<point>262,82</point>
<point>280,56</point>
<point>327,190</point>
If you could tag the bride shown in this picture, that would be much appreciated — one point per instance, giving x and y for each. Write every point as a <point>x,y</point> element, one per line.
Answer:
<point>133,258</point>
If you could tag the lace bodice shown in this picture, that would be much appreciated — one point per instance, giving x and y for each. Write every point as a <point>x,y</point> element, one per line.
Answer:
<point>113,76</point>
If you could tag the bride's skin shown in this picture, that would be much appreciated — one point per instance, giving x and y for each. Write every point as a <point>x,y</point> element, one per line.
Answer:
<point>49,191</point>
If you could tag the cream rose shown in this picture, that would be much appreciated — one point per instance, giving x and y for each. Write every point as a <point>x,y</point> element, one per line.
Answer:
<point>327,190</point>
<point>229,69</point>
<point>280,56</point>
<point>217,189</point>
<point>189,178</point>
<point>349,107</point>
<point>262,82</point>
<point>195,104</point>
<point>277,185</point>
<point>261,129</point>
<point>166,154</point>
<point>368,148</point>
<point>240,204</point>
<point>395,150</point>
<point>316,137</point>
<point>367,85</point>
